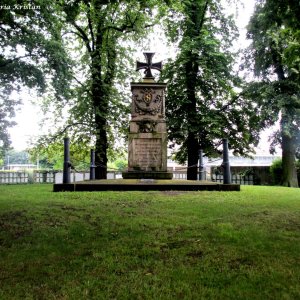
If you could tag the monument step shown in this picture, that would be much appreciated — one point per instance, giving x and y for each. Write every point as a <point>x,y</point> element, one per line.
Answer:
<point>147,175</point>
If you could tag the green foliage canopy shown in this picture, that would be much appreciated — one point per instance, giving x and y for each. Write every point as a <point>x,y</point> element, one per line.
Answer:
<point>97,32</point>
<point>274,58</point>
<point>202,103</point>
<point>32,55</point>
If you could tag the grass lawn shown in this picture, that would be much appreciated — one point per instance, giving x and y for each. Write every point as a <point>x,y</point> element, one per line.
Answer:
<point>149,245</point>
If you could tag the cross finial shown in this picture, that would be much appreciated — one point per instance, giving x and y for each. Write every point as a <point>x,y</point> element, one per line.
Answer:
<point>148,65</point>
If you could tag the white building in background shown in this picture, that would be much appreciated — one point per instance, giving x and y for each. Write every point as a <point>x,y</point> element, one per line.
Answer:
<point>260,160</point>
<point>260,163</point>
<point>20,167</point>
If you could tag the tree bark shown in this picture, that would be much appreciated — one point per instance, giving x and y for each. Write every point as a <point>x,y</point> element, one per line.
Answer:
<point>101,137</point>
<point>289,171</point>
<point>101,148</point>
<point>191,109</point>
<point>197,15</point>
<point>100,104</point>
<point>288,144</point>
<point>102,82</point>
<point>192,150</point>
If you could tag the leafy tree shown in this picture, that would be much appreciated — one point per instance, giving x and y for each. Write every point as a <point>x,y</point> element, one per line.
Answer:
<point>202,106</point>
<point>97,31</point>
<point>31,55</point>
<point>17,157</point>
<point>6,113</point>
<point>43,163</point>
<point>277,171</point>
<point>52,156</point>
<point>120,164</point>
<point>275,33</point>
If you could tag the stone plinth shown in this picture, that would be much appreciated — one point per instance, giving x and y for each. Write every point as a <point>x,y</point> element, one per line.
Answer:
<point>147,141</point>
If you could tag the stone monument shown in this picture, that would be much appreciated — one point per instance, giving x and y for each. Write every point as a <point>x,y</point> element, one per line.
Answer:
<point>147,141</point>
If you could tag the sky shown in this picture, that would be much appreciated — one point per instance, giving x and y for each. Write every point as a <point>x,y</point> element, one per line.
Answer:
<point>27,118</point>
<point>29,115</point>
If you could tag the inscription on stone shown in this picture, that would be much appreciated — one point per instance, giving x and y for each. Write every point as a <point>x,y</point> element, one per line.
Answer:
<point>147,153</point>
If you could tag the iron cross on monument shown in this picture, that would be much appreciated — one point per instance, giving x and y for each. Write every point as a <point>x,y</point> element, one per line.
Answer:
<point>148,65</point>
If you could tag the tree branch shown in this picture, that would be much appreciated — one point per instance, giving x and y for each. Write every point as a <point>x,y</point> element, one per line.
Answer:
<point>91,26</point>
<point>83,36</point>
<point>73,32</point>
<point>61,132</point>
<point>11,60</point>
<point>72,125</point>
<point>126,27</point>
<point>78,81</point>
<point>203,15</point>
<point>229,103</point>
<point>114,12</point>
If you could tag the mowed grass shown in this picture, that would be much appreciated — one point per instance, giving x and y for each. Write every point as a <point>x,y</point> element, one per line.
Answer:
<point>149,245</point>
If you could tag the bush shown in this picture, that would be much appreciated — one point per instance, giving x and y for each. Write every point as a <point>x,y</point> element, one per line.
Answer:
<point>276,171</point>
<point>118,165</point>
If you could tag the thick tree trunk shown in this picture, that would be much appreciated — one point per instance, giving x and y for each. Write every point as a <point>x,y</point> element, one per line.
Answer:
<point>101,93</point>
<point>101,149</point>
<point>289,171</point>
<point>192,149</point>
<point>197,17</point>
<point>100,42</point>
<point>288,144</point>
<point>100,105</point>
<point>191,109</point>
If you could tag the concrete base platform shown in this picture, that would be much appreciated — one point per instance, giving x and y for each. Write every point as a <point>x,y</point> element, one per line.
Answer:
<point>147,175</point>
<point>143,185</point>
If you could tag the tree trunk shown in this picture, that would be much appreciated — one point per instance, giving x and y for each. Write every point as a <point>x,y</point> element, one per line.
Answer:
<point>101,92</point>
<point>101,149</point>
<point>191,109</point>
<point>197,13</point>
<point>100,105</point>
<point>288,144</point>
<point>192,150</point>
<point>289,171</point>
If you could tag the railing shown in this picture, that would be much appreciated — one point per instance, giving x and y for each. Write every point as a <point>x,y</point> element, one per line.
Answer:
<point>14,177</point>
<point>23,177</point>
<point>179,175</point>
<point>235,178</point>
<point>44,177</point>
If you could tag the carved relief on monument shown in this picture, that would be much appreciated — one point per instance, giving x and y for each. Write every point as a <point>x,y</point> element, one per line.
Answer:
<point>146,126</point>
<point>148,101</point>
<point>148,95</point>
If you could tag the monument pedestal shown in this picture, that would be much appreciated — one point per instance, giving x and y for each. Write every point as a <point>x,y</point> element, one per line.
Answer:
<point>147,175</point>
<point>147,140</point>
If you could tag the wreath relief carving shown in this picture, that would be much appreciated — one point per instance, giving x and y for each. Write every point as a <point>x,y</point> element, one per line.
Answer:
<point>147,102</point>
